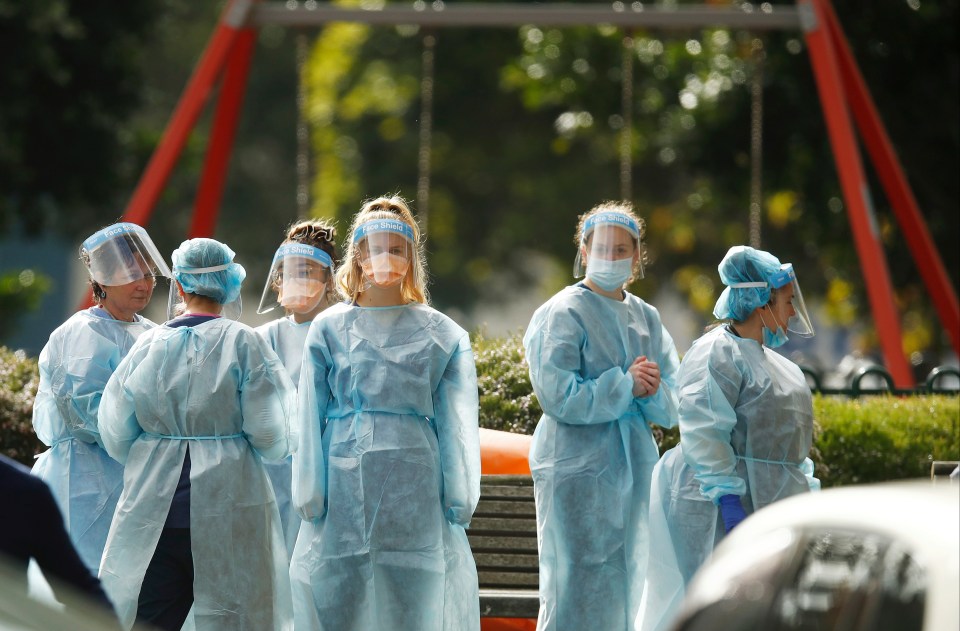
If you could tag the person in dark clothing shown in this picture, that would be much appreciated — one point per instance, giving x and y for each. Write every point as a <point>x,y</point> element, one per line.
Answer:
<point>31,527</point>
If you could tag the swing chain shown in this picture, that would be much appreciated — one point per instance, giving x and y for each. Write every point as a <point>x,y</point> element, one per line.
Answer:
<point>626,105</point>
<point>426,130</point>
<point>303,131</point>
<point>756,141</point>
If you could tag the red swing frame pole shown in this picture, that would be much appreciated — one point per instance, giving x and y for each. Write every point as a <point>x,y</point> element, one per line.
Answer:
<point>853,183</point>
<point>188,110</point>
<point>225,120</point>
<point>208,70</point>
<point>895,184</point>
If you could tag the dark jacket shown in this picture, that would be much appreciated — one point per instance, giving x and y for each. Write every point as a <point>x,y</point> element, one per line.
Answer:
<point>31,527</point>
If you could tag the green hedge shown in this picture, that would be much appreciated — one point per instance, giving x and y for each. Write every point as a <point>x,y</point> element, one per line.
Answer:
<point>507,401</point>
<point>870,439</point>
<point>883,437</point>
<point>19,378</point>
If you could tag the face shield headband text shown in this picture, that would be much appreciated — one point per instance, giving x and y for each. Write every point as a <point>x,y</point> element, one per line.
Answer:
<point>610,218</point>
<point>307,251</point>
<point>382,225</point>
<point>99,238</point>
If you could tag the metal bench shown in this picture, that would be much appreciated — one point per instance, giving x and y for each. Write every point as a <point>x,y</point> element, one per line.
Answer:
<point>503,537</point>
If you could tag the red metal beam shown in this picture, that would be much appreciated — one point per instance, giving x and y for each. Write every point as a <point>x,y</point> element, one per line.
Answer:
<point>184,117</point>
<point>226,117</point>
<point>895,184</point>
<point>187,112</point>
<point>853,183</point>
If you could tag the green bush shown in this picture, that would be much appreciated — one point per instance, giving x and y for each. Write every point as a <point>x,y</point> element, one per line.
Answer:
<point>883,437</point>
<point>871,439</point>
<point>19,378</point>
<point>507,402</point>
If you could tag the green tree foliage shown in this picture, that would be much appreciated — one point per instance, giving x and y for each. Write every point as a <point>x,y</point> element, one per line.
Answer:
<point>71,78</point>
<point>88,89</point>
<point>527,125</point>
<point>526,130</point>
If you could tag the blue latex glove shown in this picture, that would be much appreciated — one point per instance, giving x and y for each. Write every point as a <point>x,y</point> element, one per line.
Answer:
<point>732,511</point>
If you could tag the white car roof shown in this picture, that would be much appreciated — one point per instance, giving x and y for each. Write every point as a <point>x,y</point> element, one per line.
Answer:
<point>922,515</point>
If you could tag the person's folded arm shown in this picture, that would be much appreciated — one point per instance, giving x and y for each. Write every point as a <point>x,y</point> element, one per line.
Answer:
<point>554,356</point>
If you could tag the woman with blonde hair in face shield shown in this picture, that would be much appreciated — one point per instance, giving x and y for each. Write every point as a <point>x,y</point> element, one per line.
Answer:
<point>746,427</point>
<point>75,364</point>
<point>301,282</point>
<point>602,365</point>
<point>388,472</point>
<point>191,412</point>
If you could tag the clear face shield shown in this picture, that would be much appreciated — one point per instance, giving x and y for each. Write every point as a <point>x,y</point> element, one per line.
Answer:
<point>610,240</point>
<point>799,322</point>
<point>785,281</point>
<point>298,280</point>
<point>121,254</point>
<point>385,249</point>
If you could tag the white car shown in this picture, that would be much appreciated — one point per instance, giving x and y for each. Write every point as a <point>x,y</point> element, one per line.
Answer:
<point>858,558</point>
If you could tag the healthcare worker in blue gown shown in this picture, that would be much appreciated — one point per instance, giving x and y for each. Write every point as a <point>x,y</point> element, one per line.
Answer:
<point>602,365</point>
<point>388,472</point>
<point>123,264</point>
<point>190,412</point>
<point>746,427</point>
<point>300,282</point>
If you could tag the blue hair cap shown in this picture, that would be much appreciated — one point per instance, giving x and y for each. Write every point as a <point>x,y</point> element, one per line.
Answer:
<point>743,264</point>
<point>205,267</point>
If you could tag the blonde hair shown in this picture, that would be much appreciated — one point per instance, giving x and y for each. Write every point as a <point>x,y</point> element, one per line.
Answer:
<point>350,278</point>
<point>623,208</point>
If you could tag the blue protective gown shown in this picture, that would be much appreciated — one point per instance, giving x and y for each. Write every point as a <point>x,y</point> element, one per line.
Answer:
<point>286,338</point>
<point>593,452</point>
<point>218,390</point>
<point>388,473</point>
<point>746,427</point>
<point>75,365</point>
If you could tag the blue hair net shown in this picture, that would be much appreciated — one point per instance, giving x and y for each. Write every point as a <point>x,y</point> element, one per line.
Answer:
<point>743,264</point>
<point>223,285</point>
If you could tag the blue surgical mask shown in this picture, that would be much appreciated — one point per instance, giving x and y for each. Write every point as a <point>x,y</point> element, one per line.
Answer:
<point>773,339</point>
<point>609,275</point>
